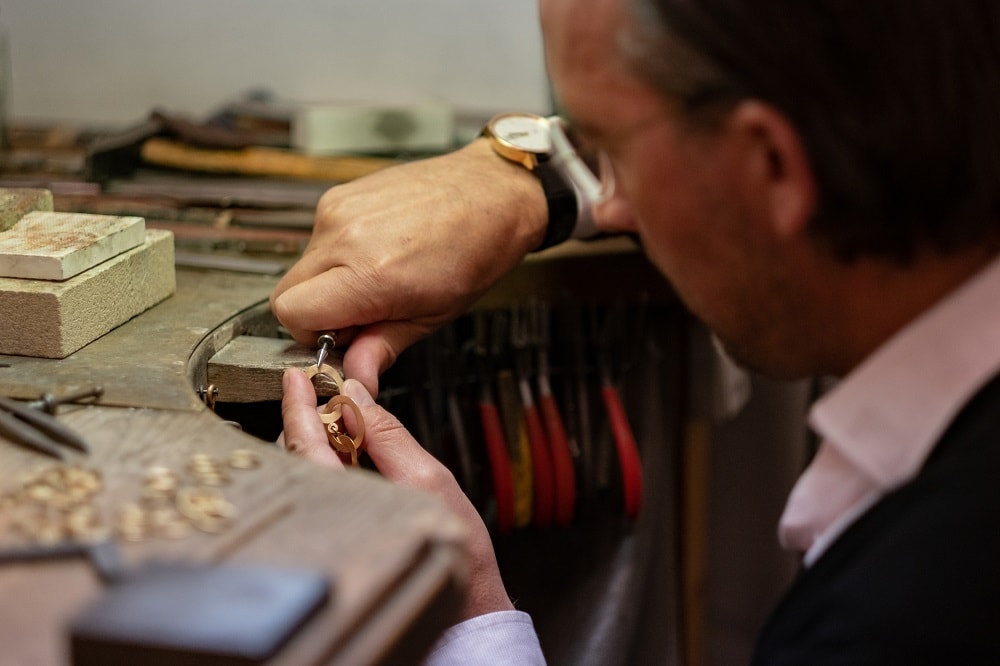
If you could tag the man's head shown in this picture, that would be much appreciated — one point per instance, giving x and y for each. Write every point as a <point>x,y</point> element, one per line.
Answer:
<point>896,102</point>
<point>765,148</point>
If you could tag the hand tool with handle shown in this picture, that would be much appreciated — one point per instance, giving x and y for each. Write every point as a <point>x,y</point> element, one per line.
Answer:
<point>621,430</point>
<point>33,425</point>
<point>541,461</point>
<point>493,435</point>
<point>563,474</point>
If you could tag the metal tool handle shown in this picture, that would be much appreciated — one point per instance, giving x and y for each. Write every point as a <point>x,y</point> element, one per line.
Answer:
<point>36,429</point>
<point>325,344</point>
<point>21,433</point>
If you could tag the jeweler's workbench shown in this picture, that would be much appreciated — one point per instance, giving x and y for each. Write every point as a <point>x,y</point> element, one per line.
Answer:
<point>394,557</point>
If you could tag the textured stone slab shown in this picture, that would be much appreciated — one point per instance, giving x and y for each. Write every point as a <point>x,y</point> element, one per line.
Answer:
<point>44,245</point>
<point>18,201</point>
<point>54,319</point>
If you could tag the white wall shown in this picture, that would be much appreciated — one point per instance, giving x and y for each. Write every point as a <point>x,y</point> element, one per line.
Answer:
<point>112,61</point>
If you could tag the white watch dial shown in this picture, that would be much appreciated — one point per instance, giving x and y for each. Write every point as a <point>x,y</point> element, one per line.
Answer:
<point>524,132</point>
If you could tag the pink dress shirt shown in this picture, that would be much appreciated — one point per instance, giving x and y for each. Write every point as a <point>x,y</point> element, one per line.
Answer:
<point>878,425</point>
<point>881,422</point>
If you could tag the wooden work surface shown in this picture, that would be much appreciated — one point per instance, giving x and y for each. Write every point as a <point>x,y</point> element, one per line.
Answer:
<point>395,557</point>
<point>151,360</point>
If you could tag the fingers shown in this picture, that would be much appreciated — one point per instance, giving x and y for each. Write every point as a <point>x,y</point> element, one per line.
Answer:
<point>366,265</point>
<point>366,359</point>
<point>325,301</point>
<point>396,454</point>
<point>399,457</point>
<point>304,434</point>
<point>375,348</point>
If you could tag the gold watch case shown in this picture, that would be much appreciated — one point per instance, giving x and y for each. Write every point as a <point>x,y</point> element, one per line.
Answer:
<point>520,137</point>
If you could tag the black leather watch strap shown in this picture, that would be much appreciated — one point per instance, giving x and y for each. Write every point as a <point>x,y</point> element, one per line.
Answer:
<point>561,199</point>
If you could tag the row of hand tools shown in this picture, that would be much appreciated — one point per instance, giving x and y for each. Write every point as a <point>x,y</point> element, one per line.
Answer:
<point>525,407</point>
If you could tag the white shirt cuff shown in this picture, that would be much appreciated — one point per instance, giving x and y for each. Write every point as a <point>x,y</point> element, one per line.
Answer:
<point>503,637</point>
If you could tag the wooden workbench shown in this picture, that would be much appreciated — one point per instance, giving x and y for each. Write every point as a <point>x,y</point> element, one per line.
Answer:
<point>395,557</point>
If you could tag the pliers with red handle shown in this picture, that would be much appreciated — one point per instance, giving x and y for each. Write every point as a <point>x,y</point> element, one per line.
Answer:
<point>541,458</point>
<point>563,473</point>
<point>493,434</point>
<point>621,429</point>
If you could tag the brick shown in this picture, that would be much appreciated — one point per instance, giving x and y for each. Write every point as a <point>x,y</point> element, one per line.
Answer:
<point>54,319</point>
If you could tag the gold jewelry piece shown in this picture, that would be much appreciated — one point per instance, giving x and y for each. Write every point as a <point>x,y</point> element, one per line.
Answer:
<point>207,470</point>
<point>62,503</point>
<point>55,505</point>
<point>328,371</point>
<point>244,459</point>
<point>332,417</point>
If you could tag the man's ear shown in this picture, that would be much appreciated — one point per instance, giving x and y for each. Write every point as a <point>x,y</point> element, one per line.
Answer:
<point>773,163</point>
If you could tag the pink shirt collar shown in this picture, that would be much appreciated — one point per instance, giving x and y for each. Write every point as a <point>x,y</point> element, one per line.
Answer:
<point>886,416</point>
<point>881,422</point>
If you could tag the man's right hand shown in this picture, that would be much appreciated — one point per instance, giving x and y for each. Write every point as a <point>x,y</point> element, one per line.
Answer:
<point>399,253</point>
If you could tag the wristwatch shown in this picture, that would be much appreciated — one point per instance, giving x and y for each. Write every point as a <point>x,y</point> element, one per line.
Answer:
<point>523,138</point>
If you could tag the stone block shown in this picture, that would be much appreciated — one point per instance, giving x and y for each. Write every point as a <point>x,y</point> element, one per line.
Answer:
<point>54,319</point>
<point>44,245</point>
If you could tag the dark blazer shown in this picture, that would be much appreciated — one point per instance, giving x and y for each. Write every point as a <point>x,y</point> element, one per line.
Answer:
<point>916,580</point>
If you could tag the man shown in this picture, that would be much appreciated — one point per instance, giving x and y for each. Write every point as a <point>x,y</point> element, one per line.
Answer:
<point>820,180</point>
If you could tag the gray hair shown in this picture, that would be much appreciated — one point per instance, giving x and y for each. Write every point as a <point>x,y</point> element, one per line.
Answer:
<point>896,103</point>
<point>673,67</point>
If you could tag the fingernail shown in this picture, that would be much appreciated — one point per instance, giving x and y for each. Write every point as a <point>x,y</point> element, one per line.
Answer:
<point>357,392</point>
<point>286,377</point>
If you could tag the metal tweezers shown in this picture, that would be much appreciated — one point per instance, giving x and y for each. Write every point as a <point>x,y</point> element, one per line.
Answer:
<point>34,429</point>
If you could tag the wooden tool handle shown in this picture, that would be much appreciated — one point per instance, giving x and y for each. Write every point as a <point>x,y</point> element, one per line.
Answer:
<point>258,161</point>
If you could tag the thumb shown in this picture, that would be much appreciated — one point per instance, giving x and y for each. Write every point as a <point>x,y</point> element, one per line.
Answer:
<point>304,434</point>
<point>374,349</point>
